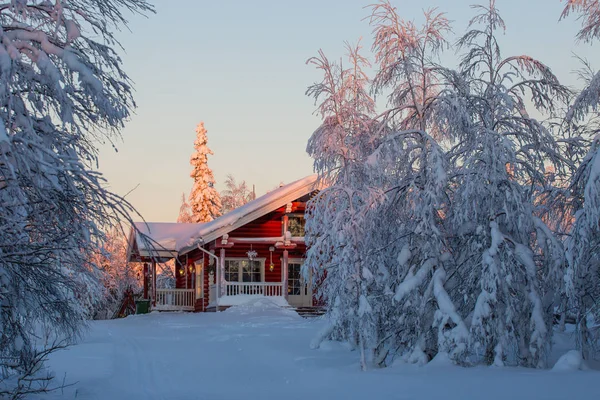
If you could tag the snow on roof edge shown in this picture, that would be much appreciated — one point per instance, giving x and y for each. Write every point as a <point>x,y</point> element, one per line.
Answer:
<point>250,211</point>
<point>156,238</point>
<point>159,239</point>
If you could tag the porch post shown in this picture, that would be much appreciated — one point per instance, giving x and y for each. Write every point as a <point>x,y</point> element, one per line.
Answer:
<point>146,278</point>
<point>220,272</point>
<point>186,275</point>
<point>285,273</point>
<point>153,282</point>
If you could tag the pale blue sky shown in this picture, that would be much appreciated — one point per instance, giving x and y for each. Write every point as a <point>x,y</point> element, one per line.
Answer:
<point>239,66</point>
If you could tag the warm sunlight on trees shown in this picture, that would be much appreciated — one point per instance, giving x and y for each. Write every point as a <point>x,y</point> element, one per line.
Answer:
<point>204,199</point>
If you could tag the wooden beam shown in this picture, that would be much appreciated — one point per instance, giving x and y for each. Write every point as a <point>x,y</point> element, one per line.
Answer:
<point>286,247</point>
<point>146,277</point>
<point>285,272</point>
<point>227,245</point>
<point>154,283</point>
<point>220,277</point>
<point>265,240</point>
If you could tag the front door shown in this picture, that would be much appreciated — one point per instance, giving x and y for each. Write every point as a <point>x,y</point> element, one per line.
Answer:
<point>299,292</point>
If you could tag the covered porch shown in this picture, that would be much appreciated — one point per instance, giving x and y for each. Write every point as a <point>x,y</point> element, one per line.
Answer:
<point>155,246</point>
<point>250,268</point>
<point>242,277</point>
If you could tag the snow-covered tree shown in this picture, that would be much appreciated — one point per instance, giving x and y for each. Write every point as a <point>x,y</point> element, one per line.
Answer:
<point>583,251</point>
<point>204,199</point>
<point>406,55</point>
<point>411,167</point>
<point>589,11</point>
<point>336,215</point>
<point>388,233</point>
<point>507,261</point>
<point>117,276</point>
<point>61,90</point>
<point>583,244</point>
<point>429,231</point>
<point>235,194</point>
<point>185,211</point>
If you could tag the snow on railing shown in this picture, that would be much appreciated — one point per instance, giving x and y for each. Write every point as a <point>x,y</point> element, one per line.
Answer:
<point>270,289</point>
<point>175,299</point>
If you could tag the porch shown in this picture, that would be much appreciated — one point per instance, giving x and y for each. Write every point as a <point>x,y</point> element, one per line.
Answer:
<point>175,300</point>
<point>234,293</point>
<point>239,293</point>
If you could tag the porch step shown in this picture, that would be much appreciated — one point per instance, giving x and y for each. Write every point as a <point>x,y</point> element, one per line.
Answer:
<point>310,312</point>
<point>212,308</point>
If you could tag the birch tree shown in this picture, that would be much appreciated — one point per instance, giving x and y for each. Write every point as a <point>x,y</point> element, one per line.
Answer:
<point>116,275</point>
<point>62,89</point>
<point>336,215</point>
<point>185,211</point>
<point>583,244</point>
<point>508,261</point>
<point>235,194</point>
<point>411,166</point>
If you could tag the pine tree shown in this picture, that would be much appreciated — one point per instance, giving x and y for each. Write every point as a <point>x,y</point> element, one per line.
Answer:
<point>204,199</point>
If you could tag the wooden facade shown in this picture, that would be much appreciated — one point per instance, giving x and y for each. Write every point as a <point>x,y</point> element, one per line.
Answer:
<point>252,252</point>
<point>265,236</point>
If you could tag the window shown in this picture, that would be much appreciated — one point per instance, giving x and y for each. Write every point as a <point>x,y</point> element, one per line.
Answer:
<point>296,224</point>
<point>295,284</point>
<point>243,270</point>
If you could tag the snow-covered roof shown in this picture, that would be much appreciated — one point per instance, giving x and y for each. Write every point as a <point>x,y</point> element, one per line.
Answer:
<point>252,210</point>
<point>163,239</point>
<point>160,239</point>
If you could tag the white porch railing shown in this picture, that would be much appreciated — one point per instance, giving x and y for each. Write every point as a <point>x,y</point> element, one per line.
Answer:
<point>254,288</point>
<point>175,299</point>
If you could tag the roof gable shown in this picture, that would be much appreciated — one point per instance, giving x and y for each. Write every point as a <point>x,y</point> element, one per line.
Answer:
<point>251,211</point>
<point>165,239</point>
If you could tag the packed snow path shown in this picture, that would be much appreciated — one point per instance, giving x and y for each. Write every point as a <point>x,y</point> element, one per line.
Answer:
<point>263,353</point>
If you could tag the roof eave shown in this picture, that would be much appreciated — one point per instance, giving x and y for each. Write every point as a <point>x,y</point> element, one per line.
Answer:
<point>267,208</point>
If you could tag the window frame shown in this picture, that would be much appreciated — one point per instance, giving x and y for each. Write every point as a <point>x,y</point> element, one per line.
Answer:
<point>299,216</point>
<point>261,260</point>
<point>303,283</point>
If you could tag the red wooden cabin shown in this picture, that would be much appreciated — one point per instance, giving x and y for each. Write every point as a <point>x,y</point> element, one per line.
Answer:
<point>252,252</point>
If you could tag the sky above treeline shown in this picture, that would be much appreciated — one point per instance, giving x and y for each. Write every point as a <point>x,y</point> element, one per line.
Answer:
<point>240,66</point>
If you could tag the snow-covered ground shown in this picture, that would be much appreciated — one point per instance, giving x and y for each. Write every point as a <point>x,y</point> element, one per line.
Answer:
<point>263,352</point>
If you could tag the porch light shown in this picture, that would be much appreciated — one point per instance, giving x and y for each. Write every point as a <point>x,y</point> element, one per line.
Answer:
<point>271,265</point>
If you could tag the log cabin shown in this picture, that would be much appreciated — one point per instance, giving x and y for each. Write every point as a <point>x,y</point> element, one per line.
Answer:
<point>252,252</point>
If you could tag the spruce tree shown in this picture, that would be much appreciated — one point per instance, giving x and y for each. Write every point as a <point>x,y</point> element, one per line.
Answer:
<point>204,198</point>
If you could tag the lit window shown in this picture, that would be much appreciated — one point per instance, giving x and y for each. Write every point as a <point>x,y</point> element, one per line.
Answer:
<point>243,270</point>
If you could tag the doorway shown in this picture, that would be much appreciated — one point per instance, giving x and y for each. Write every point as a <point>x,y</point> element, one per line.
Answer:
<point>299,291</point>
